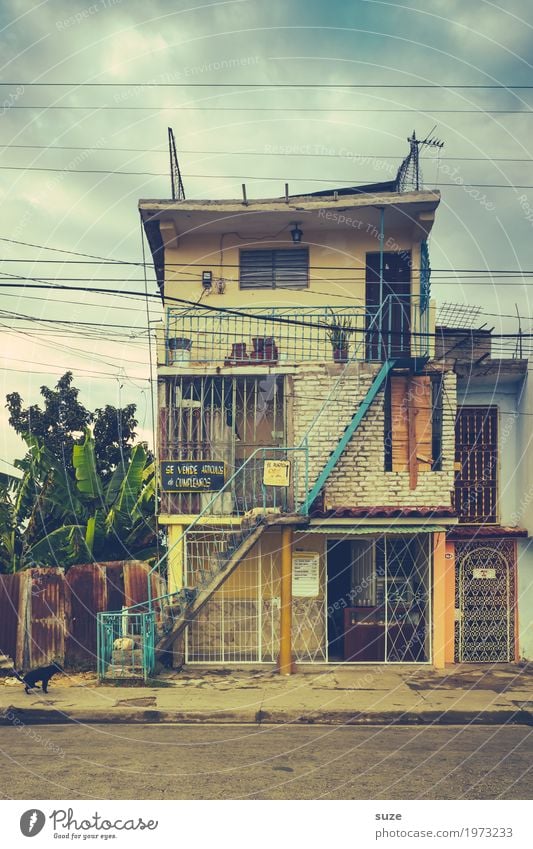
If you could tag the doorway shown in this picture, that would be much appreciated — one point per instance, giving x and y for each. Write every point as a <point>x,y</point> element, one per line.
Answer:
<point>485,601</point>
<point>379,599</point>
<point>339,577</point>
<point>391,334</point>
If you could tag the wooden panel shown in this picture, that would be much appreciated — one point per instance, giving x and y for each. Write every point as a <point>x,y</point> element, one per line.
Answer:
<point>422,403</point>
<point>411,396</point>
<point>399,423</point>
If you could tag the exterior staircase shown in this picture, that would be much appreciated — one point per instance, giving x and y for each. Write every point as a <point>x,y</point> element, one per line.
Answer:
<point>153,626</point>
<point>349,431</point>
<point>177,611</point>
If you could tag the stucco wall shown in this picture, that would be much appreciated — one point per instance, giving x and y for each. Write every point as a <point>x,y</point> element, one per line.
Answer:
<point>337,260</point>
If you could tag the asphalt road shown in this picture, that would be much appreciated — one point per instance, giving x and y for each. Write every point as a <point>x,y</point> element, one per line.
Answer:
<point>267,762</point>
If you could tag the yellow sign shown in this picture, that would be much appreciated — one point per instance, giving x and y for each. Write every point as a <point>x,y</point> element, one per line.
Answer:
<point>276,473</point>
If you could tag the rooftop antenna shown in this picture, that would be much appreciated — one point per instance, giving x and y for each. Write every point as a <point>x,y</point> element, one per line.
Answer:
<point>178,192</point>
<point>409,176</point>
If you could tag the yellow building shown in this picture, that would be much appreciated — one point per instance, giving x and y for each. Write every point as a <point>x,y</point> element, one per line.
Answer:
<point>306,431</point>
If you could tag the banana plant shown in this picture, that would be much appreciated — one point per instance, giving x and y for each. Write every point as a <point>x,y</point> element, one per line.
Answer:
<point>52,520</point>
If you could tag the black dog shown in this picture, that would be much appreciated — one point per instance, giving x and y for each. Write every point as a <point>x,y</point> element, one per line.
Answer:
<point>42,674</point>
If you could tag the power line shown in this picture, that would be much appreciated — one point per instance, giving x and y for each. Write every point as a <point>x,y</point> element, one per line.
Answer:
<point>190,267</point>
<point>86,84</point>
<point>107,260</point>
<point>271,318</point>
<point>483,272</point>
<point>347,155</point>
<point>315,109</point>
<point>329,181</point>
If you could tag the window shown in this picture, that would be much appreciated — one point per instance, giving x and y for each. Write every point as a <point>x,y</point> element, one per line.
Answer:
<point>413,424</point>
<point>274,269</point>
<point>476,458</point>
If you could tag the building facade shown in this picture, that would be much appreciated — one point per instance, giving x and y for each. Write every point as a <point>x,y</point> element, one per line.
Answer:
<point>309,438</point>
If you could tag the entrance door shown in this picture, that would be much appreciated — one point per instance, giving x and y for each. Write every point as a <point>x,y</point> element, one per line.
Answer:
<point>485,602</point>
<point>391,332</point>
<point>339,572</point>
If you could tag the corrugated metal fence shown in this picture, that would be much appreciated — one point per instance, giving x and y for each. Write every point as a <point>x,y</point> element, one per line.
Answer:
<point>48,615</point>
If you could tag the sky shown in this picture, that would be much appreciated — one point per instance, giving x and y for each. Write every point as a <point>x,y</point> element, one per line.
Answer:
<point>311,138</point>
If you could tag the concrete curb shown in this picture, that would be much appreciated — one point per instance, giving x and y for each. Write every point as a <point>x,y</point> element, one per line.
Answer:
<point>16,716</point>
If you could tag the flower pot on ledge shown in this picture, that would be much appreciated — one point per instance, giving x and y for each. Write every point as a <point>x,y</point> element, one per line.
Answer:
<point>340,355</point>
<point>179,349</point>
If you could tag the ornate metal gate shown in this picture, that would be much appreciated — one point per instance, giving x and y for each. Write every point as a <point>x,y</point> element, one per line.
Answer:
<point>485,601</point>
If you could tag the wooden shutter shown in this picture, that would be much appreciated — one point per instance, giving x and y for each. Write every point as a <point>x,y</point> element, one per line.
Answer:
<point>399,387</point>
<point>267,269</point>
<point>257,270</point>
<point>291,268</point>
<point>421,396</point>
<point>416,392</point>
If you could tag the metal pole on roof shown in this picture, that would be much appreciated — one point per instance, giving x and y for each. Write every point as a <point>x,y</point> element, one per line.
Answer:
<point>381,240</point>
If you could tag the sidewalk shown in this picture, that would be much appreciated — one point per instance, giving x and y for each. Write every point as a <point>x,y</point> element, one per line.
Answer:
<point>362,695</point>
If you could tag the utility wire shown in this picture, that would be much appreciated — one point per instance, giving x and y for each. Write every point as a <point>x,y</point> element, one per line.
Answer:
<point>329,181</point>
<point>348,155</point>
<point>271,318</point>
<point>292,109</point>
<point>86,84</point>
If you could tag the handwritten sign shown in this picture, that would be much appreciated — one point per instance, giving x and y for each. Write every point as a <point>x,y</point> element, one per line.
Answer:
<point>305,574</point>
<point>277,473</point>
<point>192,475</point>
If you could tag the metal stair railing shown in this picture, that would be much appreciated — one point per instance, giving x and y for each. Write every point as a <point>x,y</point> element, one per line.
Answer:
<point>349,431</point>
<point>224,538</point>
<point>229,529</point>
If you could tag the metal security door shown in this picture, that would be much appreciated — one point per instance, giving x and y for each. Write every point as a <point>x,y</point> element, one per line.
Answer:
<point>485,595</point>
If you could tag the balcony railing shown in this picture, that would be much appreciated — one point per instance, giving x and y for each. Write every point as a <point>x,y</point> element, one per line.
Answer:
<point>276,335</point>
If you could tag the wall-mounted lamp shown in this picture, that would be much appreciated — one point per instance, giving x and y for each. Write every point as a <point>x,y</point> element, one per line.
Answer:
<point>296,234</point>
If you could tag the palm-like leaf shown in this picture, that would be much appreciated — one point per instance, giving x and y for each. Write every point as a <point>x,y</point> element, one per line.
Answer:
<point>62,547</point>
<point>84,462</point>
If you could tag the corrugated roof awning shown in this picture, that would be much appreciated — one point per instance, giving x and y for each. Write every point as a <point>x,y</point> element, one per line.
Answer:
<point>360,530</point>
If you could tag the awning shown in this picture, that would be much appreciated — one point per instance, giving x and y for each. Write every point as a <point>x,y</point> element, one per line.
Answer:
<point>366,530</point>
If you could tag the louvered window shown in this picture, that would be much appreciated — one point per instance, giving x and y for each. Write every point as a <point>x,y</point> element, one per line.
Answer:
<point>279,269</point>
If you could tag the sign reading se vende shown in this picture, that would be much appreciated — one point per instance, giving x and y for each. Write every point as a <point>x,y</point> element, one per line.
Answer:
<point>192,475</point>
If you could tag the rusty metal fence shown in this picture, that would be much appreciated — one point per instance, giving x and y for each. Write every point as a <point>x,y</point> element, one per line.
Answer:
<point>48,614</point>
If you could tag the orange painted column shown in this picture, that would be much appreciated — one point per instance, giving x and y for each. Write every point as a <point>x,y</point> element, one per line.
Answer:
<point>449,613</point>
<point>285,637</point>
<point>439,600</point>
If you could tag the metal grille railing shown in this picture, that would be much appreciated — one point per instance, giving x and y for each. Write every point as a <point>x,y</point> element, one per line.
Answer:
<point>125,645</point>
<point>257,336</point>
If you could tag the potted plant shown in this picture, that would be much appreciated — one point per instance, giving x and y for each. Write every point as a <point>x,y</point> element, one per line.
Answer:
<point>264,348</point>
<point>339,332</point>
<point>179,349</point>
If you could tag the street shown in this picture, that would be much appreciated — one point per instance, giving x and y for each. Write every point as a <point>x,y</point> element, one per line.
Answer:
<point>265,762</point>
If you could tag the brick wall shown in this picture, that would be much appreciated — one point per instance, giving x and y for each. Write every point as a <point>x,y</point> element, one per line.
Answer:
<point>359,478</point>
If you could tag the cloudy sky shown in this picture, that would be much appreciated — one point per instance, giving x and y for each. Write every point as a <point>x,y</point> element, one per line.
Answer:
<point>311,137</point>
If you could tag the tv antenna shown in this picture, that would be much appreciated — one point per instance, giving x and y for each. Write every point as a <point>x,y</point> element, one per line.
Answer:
<point>409,176</point>
<point>178,192</point>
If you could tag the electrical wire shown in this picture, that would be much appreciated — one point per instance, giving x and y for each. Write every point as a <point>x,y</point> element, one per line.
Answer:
<point>445,86</point>
<point>329,181</point>
<point>292,109</point>
<point>348,155</point>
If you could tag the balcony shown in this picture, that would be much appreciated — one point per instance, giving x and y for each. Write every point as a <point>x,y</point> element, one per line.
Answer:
<point>270,336</point>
